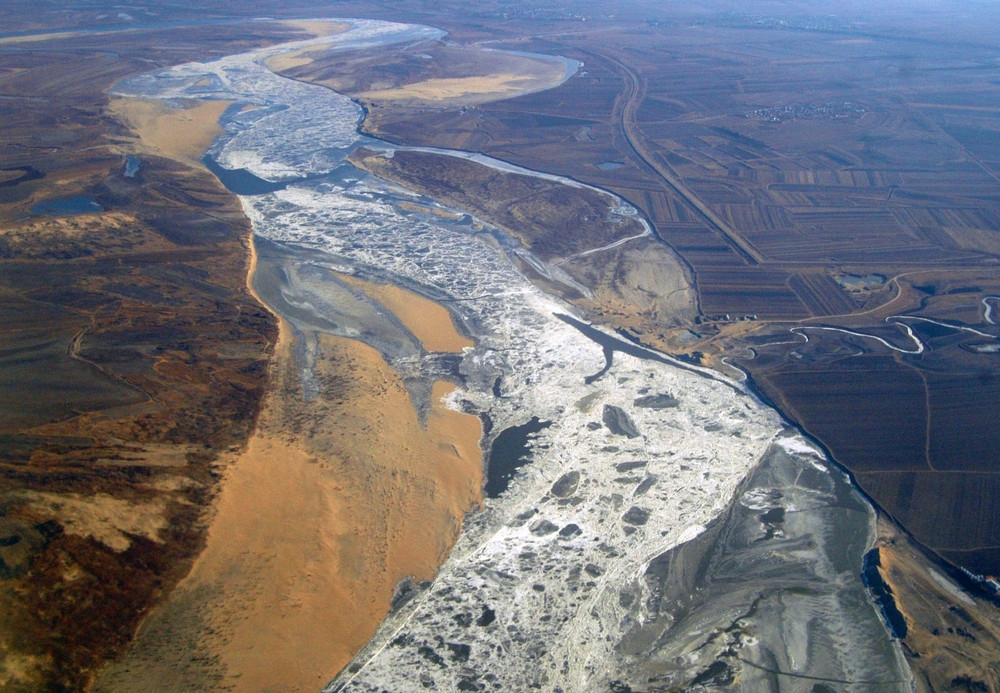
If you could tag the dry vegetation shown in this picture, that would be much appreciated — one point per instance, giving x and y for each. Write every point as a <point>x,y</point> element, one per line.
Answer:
<point>132,352</point>
<point>107,462</point>
<point>953,638</point>
<point>552,220</point>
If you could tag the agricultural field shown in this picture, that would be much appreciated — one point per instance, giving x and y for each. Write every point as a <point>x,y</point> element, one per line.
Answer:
<point>780,164</point>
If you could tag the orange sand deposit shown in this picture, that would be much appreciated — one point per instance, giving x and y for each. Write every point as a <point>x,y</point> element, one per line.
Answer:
<point>331,504</point>
<point>469,90</point>
<point>318,27</point>
<point>176,133</point>
<point>429,322</point>
<point>34,38</point>
<point>290,60</point>
<point>312,536</point>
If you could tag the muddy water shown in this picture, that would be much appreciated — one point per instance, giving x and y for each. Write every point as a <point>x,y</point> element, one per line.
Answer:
<point>769,598</point>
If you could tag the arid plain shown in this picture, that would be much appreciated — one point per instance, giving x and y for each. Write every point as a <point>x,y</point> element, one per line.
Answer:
<point>824,189</point>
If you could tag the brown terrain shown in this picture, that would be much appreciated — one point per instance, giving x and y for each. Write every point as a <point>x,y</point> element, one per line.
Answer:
<point>799,170</point>
<point>333,503</point>
<point>132,355</point>
<point>804,179</point>
<point>952,637</point>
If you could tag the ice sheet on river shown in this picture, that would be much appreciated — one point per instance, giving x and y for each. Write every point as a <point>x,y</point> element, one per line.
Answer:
<point>547,582</point>
<point>294,129</point>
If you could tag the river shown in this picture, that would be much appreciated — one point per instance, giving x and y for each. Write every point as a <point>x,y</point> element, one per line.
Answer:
<point>576,576</point>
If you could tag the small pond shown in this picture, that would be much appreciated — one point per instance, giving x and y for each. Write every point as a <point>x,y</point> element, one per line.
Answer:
<point>67,206</point>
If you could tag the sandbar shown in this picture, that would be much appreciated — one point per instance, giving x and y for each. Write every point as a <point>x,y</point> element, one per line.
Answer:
<point>333,502</point>
<point>471,90</point>
<point>34,38</point>
<point>183,134</point>
<point>317,27</point>
<point>429,322</point>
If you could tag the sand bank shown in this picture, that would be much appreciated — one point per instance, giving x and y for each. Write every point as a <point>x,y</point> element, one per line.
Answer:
<point>292,59</point>
<point>332,503</point>
<point>429,322</point>
<point>318,28</point>
<point>473,89</point>
<point>176,133</point>
<point>35,38</point>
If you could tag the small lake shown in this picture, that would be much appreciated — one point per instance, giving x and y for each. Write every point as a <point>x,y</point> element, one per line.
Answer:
<point>132,164</point>
<point>67,206</point>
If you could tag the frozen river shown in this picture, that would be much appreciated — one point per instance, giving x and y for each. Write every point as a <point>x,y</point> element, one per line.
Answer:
<point>571,580</point>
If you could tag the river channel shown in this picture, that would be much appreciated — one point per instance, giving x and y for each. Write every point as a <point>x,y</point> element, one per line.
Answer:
<point>704,540</point>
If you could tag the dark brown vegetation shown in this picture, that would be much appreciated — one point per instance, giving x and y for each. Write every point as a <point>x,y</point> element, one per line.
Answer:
<point>131,354</point>
<point>535,211</point>
<point>785,155</point>
<point>951,637</point>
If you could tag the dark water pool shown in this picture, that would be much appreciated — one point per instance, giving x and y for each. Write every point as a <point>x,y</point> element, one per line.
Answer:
<point>67,206</point>
<point>509,453</point>
<point>132,164</point>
